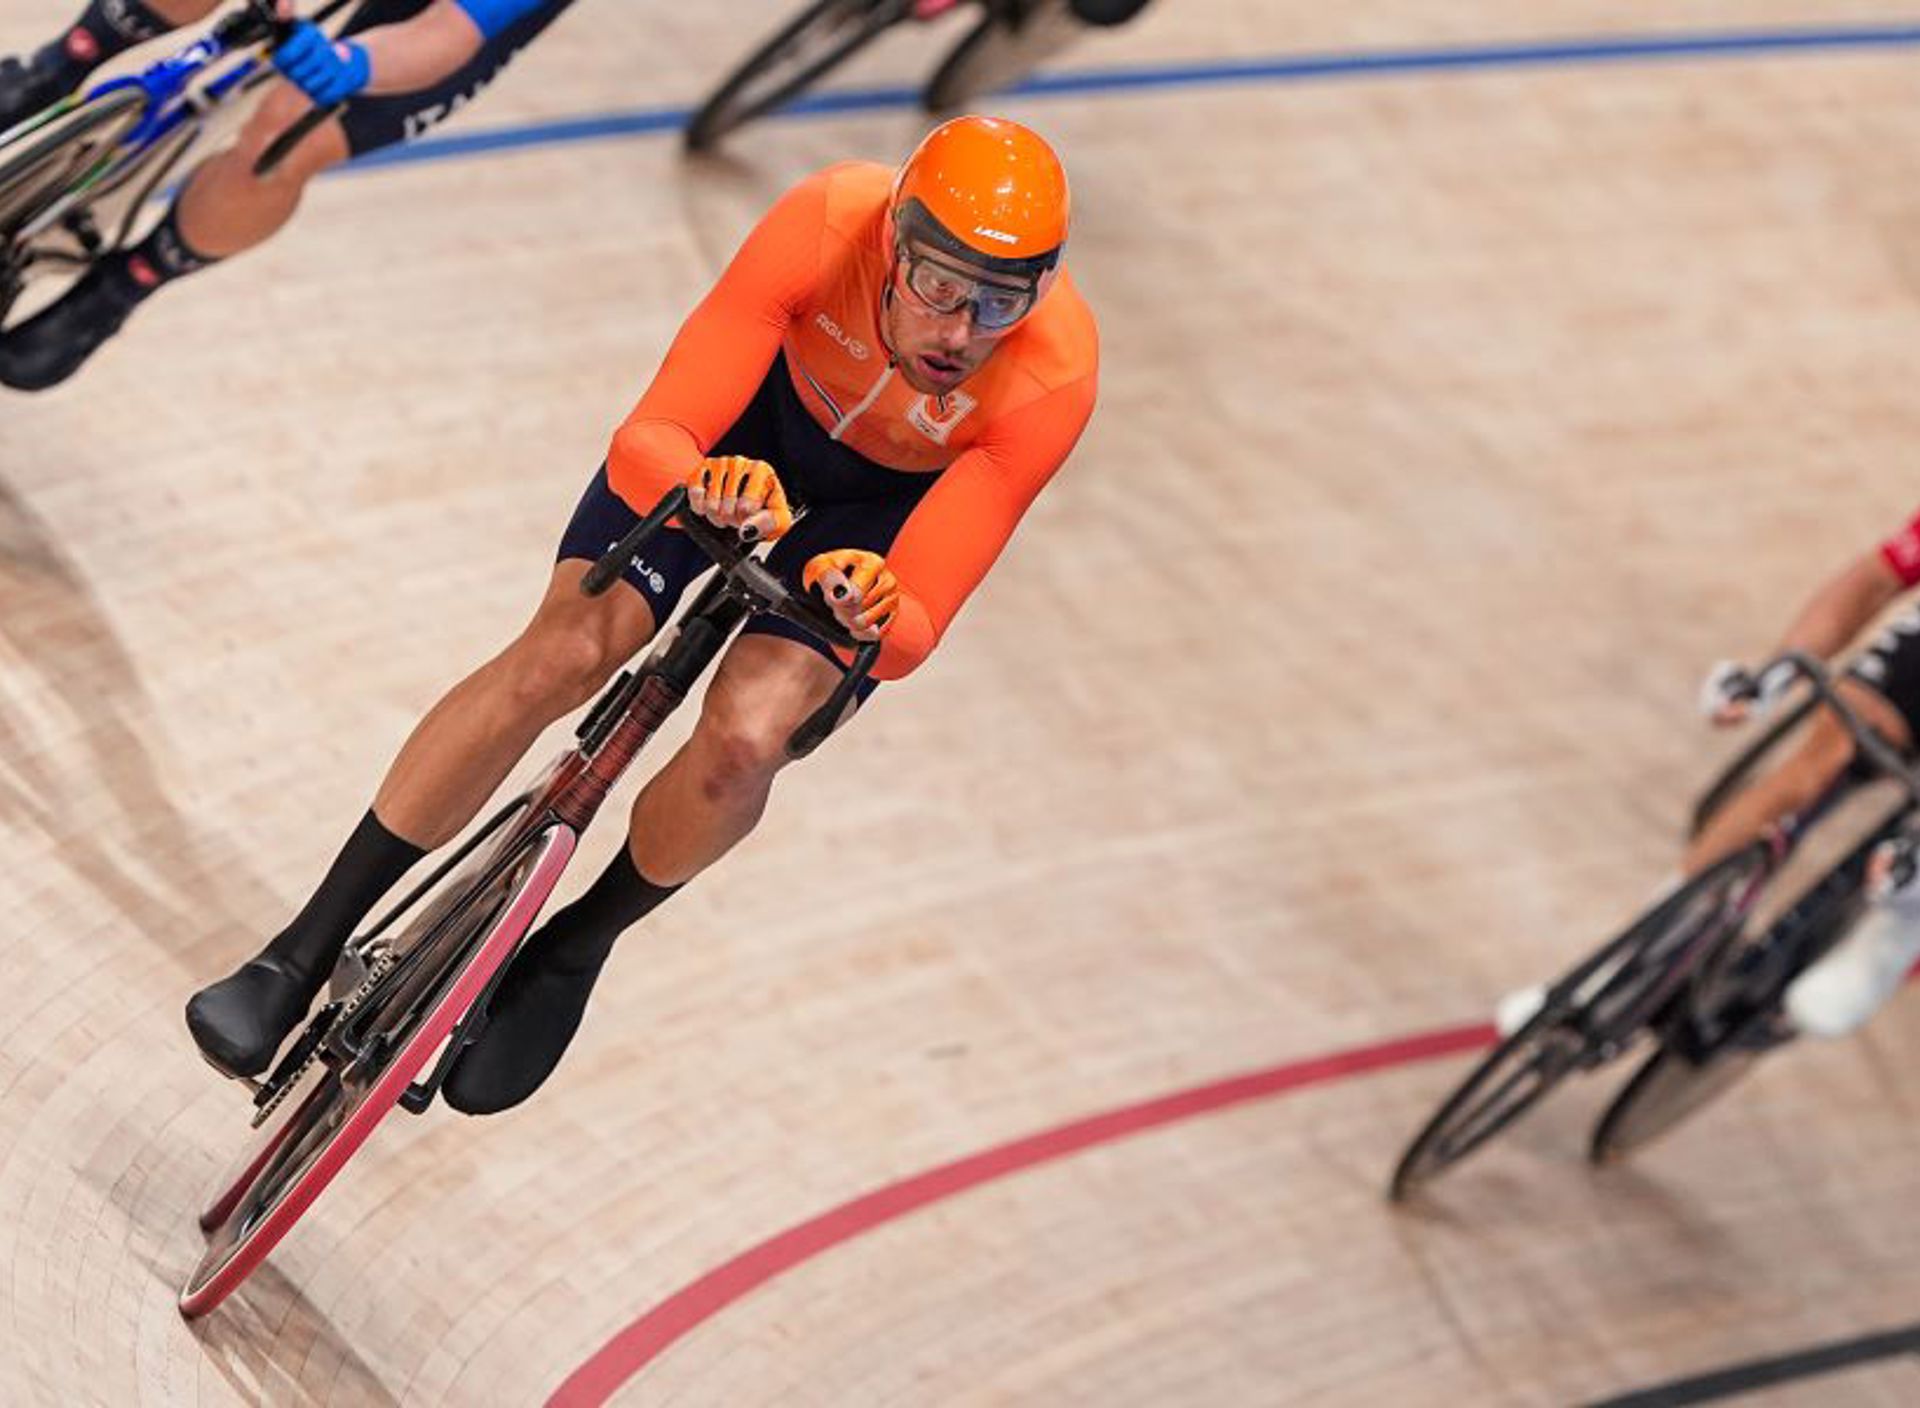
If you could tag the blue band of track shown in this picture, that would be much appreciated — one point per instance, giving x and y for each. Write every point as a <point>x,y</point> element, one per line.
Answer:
<point>1302,68</point>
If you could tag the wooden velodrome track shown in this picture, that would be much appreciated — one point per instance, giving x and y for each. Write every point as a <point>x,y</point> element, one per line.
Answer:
<point>1454,418</point>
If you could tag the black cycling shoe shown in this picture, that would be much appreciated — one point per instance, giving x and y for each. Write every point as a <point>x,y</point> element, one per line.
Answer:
<point>239,1022</point>
<point>531,1019</point>
<point>55,343</point>
<point>27,87</point>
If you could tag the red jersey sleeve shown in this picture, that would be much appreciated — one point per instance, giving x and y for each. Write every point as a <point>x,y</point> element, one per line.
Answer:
<point>723,350</point>
<point>958,530</point>
<point>1901,552</point>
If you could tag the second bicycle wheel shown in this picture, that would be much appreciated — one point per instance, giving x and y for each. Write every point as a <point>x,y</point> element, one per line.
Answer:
<point>1669,1086</point>
<point>817,40</point>
<point>337,1103</point>
<point>1731,1016</point>
<point>997,53</point>
<point>1588,1017</point>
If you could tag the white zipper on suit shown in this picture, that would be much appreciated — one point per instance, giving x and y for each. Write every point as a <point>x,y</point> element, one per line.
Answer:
<point>866,402</point>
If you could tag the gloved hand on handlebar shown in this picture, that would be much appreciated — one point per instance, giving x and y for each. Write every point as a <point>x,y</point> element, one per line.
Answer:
<point>326,72</point>
<point>856,584</point>
<point>743,494</point>
<point>1731,695</point>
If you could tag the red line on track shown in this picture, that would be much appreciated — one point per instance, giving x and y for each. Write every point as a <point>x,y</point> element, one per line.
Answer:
<point>647,1338</point>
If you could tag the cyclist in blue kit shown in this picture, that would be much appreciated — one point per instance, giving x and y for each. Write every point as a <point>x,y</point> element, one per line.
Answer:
<point>399,67</point>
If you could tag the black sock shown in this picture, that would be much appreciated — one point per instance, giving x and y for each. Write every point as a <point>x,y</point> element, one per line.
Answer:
<point>159,259</point>
<point>578,938</point>
<point>366,868</point>
<point>107,28</point>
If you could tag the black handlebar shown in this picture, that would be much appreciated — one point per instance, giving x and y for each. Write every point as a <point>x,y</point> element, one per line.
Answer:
<point>748,581</point>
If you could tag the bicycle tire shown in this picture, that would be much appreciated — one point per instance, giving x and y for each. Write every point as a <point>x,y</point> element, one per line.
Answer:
<point>334,1109</point>
<point>59,152</point>
<point>1571,1032</point>
<point>1730,1017</point>
<point>735,102</point>
<point>1667,1088</point>
<point>996,54</point>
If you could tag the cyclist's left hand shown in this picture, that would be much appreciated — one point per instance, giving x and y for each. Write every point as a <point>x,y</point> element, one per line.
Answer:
<point>864,595</point>
<point>326,72</point>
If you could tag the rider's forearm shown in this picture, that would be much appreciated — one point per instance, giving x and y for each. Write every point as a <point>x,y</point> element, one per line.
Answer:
<point>1843,607</point>
<point>419,52</point>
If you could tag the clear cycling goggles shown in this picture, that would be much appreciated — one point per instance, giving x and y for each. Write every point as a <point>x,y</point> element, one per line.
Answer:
<point>995,307</point>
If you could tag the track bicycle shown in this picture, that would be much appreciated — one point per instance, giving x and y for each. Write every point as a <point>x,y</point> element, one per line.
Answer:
<point>1704,971</point>
<point>419,979</point>
<point>77,177</point>
<point>1007,39</point>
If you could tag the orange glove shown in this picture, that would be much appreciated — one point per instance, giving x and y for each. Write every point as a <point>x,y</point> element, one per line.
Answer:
<point>745,495</point>
<point>864,595</point>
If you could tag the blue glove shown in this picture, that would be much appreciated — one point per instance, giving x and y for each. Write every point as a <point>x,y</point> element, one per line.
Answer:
<point>326,72</point>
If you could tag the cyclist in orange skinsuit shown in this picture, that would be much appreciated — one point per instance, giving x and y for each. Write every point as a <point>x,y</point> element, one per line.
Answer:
<point>901,356</point>
<point>809,288</point>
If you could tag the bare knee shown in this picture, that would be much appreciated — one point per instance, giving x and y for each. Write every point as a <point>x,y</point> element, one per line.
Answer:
<point>741,745</point>
<point>555,667</point>
<point>283,106</point>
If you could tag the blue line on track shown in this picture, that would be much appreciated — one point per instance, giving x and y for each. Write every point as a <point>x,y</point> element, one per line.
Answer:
<point>1301,68</point>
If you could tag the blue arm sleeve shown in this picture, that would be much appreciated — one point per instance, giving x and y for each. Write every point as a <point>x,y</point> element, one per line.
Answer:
<point>492,16</point>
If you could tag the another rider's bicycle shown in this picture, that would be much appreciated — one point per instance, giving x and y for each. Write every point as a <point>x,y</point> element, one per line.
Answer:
<point>419,980</point>
<point>1705,970</point>
<point>76,178</point>
<point>1002,46</point>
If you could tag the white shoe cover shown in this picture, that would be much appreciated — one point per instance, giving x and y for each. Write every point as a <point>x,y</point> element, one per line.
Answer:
<point>1516,1009</point>
<point>1857,975</point>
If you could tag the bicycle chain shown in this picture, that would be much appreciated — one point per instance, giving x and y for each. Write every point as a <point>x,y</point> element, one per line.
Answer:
<point>382,963</point>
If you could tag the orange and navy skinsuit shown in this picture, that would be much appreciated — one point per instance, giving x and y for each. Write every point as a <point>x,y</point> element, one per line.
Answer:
<point>806,289</point>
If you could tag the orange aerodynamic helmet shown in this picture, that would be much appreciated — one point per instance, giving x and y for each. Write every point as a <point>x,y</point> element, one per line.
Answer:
<point>987,191</point>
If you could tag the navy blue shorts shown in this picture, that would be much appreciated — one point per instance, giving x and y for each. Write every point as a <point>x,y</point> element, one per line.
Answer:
<point>849,501</point>
<point>375,122</point>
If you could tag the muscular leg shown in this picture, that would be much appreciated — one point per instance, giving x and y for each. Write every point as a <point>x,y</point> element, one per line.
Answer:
<point>1798,781</point>
<point>713,791</point>
<point>708,796</point>
<point>226,209</point>
<point>471,739</point>
<point>453,762</point>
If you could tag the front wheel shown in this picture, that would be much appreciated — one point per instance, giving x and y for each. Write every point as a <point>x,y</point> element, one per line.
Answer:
<point>823,36</point>
<point>338,1100</point>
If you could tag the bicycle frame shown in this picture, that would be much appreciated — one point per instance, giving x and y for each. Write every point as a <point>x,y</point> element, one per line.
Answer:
<point>171,102</point>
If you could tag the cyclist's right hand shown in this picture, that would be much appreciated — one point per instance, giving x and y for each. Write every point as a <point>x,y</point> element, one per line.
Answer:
<point>1731,695</point>
<point>326,72</point>
<point>733,491</point>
